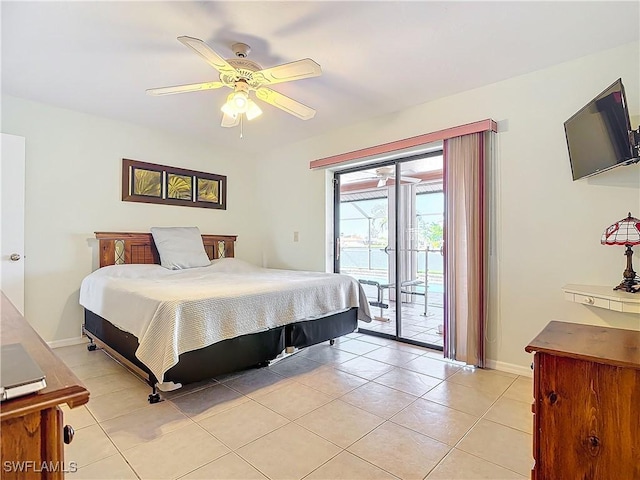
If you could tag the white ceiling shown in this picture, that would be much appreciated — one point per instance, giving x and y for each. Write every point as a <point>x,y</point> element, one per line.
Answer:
<point>376,57</point>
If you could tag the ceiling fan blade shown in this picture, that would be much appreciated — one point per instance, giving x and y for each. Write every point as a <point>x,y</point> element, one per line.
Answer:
<point>211,57</point>
<point>193,87</point>
<point>230,120</point>
<point>298,70</point>
<point>410,179</point>
<point>285,103</point>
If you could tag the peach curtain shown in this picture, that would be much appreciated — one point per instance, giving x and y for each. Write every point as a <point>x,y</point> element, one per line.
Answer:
<point>465,275</point>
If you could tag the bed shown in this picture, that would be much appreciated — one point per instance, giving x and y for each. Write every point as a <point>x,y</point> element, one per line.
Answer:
<point>184,326</point>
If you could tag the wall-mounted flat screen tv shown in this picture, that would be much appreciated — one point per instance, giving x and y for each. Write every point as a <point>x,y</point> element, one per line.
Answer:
<point>598,136</point>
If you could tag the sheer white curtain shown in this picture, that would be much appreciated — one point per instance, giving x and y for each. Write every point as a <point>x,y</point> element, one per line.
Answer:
<point>465,306</point>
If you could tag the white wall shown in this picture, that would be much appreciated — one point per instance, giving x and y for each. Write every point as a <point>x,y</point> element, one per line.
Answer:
<point>73,188</point>
<point>548,227</point>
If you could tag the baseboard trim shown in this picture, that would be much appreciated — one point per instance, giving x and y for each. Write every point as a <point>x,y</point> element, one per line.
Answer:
<point>67,342</point>
<point>509,368</point>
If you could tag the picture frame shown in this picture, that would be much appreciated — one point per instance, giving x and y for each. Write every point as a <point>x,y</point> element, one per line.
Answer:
<point>153,183</point>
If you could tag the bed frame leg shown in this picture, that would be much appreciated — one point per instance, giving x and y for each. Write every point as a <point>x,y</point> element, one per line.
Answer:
<point>332,341</point>
<point>154,396</point>
<point>92,346</point>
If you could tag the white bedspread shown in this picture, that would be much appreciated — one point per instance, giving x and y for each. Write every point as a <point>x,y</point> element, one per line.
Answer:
<point>176,311</point>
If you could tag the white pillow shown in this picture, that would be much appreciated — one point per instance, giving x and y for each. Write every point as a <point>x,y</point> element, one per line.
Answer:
<point>180,247</point>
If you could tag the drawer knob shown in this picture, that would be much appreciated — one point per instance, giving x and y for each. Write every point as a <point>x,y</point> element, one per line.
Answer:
<point>589,300</point>
<point>68,434</point>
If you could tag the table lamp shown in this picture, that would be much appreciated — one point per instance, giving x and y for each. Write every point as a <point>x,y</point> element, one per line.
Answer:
<point>625,232</point>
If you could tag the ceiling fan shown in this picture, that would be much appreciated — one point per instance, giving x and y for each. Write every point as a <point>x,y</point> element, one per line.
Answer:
<point>243,76</point>
<point>386,173</point>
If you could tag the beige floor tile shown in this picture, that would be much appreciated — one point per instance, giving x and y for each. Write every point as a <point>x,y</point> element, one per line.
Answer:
<point>113,382</point>
<point>432,367</point>
<point>437,421</point>
<point>291,452</point>
<point>111,405</point>
<point>406,347</point>
<point>331,381</point>
<point>400,451</point>
<point>466,399</point>
<point>294,365</point>
<point>459,465</point>
<point>203,403</point>
<point>357,347</point>
<point>512,413</point>
<point>257,383</point>
<point>174,454</point>
<point>377,340</point>
<point>340,422</point>
<point>490,381</point>
<point>408,381</point>
<point>327,354</point>
<point>347,466</point>
<point>353,335</point>
<point>111,468</point>
<point>392,356</point>
<point>501,445</point>
<point>78,417</point>
<point>89,445</point>
<point>229,467</point>
<point>144,425</point>
<point>521,389</point>
<point>378,399</point>
<point>98,368</point>
<point>294,400</point>
<point>243,424</point>
<point>437,354</point>
<point>75,355</point>
<point>364,367</point>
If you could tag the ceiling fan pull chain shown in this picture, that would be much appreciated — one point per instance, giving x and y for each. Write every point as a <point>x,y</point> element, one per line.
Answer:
<point>241,124</point>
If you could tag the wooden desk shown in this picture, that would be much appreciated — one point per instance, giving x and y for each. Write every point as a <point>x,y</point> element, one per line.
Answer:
<point>586,384</point>
<point>32,425</point>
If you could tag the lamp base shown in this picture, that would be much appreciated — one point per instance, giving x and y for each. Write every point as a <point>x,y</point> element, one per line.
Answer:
<point>631,286</point>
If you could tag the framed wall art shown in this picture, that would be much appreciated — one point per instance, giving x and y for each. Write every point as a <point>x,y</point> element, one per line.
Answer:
<point>151,183</point>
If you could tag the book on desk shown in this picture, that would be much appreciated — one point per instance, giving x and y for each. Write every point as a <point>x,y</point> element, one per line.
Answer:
<point>19,373</point>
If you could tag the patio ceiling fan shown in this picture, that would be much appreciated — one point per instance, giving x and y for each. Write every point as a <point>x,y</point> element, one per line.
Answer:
<point>386,173</point>
<point>244,76</point>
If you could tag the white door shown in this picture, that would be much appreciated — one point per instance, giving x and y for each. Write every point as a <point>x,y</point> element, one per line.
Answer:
<point>12,225</point>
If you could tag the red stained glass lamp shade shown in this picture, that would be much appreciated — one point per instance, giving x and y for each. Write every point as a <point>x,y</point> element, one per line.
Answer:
<point>625,232</point>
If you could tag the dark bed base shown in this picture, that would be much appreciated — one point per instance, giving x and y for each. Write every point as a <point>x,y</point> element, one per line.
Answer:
<point>227,356</point>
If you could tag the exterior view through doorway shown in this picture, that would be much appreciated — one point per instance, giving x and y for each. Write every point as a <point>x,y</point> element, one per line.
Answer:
<point>389,220</point>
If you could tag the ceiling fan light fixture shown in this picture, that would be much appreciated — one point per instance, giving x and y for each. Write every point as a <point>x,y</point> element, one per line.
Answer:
<point>229,107</point>
<point>253,110</point>
<point>240,101</point>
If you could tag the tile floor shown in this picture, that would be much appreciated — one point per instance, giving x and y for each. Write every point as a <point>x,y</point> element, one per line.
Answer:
<point>365,408</point>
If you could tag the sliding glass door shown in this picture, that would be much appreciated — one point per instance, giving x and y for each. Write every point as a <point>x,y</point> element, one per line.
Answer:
<point>388,219</point>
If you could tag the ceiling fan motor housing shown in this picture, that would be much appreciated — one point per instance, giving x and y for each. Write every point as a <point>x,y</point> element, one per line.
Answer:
<point>245,69</point>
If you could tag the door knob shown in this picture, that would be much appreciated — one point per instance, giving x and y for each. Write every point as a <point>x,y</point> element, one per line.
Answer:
<point>68,433</point>
<point>14,257</point>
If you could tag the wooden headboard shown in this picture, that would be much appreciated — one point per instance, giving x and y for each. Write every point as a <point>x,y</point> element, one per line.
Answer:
<point>128,247</point>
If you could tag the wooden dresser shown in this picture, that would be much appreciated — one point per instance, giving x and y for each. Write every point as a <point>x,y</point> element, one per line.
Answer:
<point>587,403</point>
<point>32,429</point>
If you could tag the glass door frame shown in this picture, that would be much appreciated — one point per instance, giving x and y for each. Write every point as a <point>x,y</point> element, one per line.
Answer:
<point>397,163</point>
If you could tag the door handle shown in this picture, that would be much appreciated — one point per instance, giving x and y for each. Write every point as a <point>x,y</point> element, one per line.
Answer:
<point>14,257</point>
